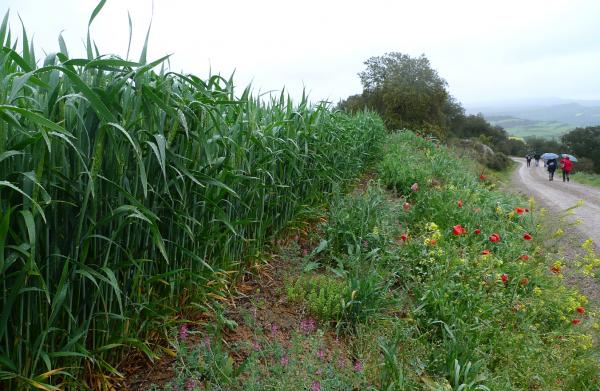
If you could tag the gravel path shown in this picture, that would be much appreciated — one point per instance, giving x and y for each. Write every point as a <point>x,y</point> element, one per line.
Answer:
<point>557,197</point>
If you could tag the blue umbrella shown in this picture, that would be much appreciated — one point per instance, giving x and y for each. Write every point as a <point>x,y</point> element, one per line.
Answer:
<point>549,155</point>
<point>571,157</point>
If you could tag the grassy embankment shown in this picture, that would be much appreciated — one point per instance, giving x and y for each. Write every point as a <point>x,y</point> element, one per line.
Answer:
<point>128,195</point>
<point>424,279</point>
<point>587,179</point>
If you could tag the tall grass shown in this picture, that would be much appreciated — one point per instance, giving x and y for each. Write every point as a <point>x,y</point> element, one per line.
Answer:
<point>122,188</point>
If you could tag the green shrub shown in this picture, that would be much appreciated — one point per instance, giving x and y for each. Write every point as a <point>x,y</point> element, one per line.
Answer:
<point>345,301</point>
<point>357,223</point>
<point>498,161</point>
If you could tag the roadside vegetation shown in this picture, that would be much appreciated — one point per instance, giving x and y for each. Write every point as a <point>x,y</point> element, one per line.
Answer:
<point>587,178</point>
<point>154,219</point>
<point>128,194</point>
<point>423,278</point>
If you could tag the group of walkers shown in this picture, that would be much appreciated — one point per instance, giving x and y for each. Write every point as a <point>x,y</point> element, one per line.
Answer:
<point>566,165</point>
<point>535,156</point>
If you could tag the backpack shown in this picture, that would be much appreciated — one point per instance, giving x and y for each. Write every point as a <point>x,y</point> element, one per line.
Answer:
<point>552,164</point>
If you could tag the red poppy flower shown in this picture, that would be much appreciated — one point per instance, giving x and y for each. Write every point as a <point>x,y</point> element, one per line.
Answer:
<point>524,257</point>
<point>526,236</point>
<point>432,242</point>
<point>494,238</point>
<point>482,177</point>
<point>524,281</point>
<point>555,269</point>
<point>486,252</point>
<point>576,322</point>
<point>404,237</point>
<point>477,231</point>
<point>406,206</point>
<point>458,230</point>
<point>504,278</point>
<point>581,310</point>
<point>460,203</point>
<point>519,211</point>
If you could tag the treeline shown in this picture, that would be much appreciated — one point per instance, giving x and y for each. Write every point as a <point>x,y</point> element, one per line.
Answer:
<point>408,93</point>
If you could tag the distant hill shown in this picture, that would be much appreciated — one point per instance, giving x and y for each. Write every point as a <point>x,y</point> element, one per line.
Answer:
<point>524,127</point>
<point>568,113</point>
<point>543,118</point>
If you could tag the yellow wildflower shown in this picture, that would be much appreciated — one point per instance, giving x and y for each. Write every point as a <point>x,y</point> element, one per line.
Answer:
<point>537,290</point>
<point>432,226</point>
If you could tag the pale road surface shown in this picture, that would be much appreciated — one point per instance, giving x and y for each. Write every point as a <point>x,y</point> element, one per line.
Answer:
<point>559,196</point>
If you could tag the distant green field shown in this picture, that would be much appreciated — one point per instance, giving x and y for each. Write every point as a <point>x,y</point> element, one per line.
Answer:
<point>523,128</point>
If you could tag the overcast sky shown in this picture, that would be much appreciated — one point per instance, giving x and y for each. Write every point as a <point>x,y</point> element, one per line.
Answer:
<point>487,50</point>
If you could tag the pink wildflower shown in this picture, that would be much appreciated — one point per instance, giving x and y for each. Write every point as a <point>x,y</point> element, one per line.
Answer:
<point>316,386</point>
<point>321,354</point>
<point>183,331</point>
<point>358,367</point>
<point>415,187</point>
<point>190,384</point>
<point>285,360</point>
<point>307,326</point>
<point>274,328</point>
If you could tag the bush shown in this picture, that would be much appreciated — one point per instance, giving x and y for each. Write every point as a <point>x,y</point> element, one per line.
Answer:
<point>357,223</point>
<point>498,161</point>
<point>344,301</point>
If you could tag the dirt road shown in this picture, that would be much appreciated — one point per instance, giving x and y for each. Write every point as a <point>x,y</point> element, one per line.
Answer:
<point>559,196</point>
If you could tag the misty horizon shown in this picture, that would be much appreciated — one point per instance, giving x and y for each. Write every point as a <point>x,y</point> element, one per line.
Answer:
<point>532,51</point>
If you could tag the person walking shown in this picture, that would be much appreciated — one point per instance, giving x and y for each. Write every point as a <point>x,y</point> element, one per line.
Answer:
<point>528,158</point>
<point>566,164</point>
<point>537,157</point>
<point>551,164</point>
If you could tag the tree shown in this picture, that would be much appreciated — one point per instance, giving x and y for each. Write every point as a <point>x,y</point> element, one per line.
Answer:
<point>541,145</point>
<point>406,92</point>
<point>585,143</point>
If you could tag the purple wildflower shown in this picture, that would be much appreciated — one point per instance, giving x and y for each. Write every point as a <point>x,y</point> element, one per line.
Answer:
<point>274,329</point>
<point>321,354</point>
<point>285,360</point>
<point>256,346</point>
<point>316,386</point>
<point>190,384</point>
<point>183,331</point>
<point>358,367</point>
<point>307,326</point>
